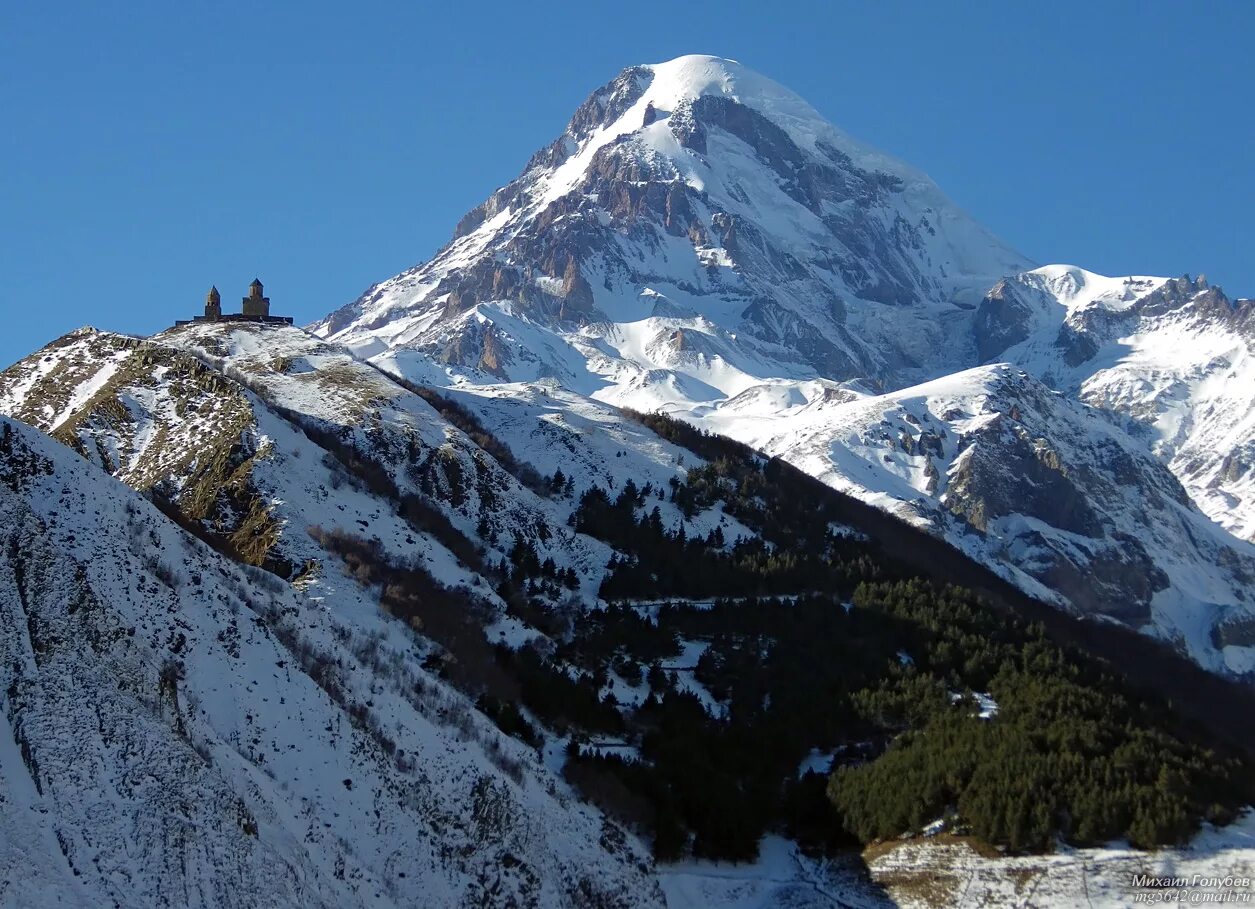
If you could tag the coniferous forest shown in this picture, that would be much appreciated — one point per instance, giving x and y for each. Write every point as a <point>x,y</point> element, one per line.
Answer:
<point>840,678</point>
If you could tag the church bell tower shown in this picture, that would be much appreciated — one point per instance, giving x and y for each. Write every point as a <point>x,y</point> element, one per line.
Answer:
<point>255,304</point>
<point>213,305</point>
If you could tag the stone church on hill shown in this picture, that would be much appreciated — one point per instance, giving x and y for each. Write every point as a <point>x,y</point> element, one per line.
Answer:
<point>255,308</point>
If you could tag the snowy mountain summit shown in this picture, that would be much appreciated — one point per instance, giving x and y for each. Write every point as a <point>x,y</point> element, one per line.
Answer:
<point>722,219</point>
<point>700,240</point>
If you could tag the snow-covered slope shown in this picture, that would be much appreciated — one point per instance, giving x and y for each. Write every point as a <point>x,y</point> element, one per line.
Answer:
<point>700,240</point>
<point>290,690</point>
<point>941,870</point>
<point>1173,360</point>
<point>178,729</point>
<point>254,435</point>
<point>184,729</point>
<point>1039,486</point>
<point>950,871</point>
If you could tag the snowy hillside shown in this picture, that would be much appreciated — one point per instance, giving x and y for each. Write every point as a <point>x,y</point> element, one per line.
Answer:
<point>935,871</point>
<point>1171,359</point>
<point>255,434</point>
<point>1041,487</point>
<point>701,241</point>
<point>179,729</point>
<point>925,873</point>
<point>334,742</point>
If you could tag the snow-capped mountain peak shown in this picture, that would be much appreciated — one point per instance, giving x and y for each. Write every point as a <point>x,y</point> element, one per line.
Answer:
<point>671,85</point>
<point>701,240</point>
<point>694,186</point>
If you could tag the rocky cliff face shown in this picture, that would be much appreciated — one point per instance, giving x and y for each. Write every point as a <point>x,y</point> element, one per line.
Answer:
<point>1170,360</point>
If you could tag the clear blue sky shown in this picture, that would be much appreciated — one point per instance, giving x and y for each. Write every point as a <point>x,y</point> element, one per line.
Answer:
<point>150,149</point>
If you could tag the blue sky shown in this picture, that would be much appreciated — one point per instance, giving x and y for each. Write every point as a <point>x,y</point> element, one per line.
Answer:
<point>151,149</point>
